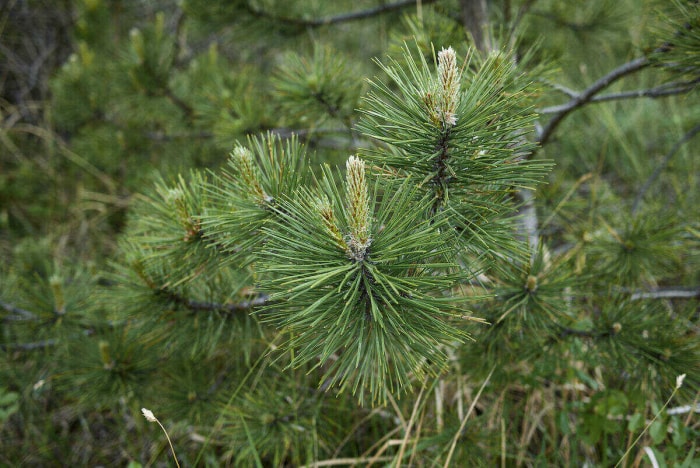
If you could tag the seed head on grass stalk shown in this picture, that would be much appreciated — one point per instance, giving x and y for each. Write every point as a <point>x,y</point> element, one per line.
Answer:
<point>150,417</point>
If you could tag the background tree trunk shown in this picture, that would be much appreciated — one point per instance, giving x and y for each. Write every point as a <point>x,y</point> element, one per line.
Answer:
<point>475,19</point>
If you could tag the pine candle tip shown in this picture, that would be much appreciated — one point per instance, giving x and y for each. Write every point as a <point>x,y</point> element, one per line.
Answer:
<point>358,207</point>
<point>448,91</point>
<point>240,152</point>
<point>446,52</point>
<point>355,163</point>
<point>148,414</point>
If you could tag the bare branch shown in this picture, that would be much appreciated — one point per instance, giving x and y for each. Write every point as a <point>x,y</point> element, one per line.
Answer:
<point>667,89</point>
<point>587,95</point>
<point>19,314</point>
<point>660,91</point>
<point>668,293</point>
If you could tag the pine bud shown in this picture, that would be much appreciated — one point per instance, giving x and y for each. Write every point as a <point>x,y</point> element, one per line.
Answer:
<point>358,208</point>
<point>56,283</point>
<point>138,44</point>
<point>105,355</point>
<point>531,284</point>
<point>449,77</point>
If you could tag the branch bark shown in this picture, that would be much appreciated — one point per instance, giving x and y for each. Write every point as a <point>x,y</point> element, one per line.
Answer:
<point>587,96</point>
<point>668,89</point>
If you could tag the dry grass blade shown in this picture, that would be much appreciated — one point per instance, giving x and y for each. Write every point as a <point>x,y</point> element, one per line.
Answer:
<point>464,420</point>
<point>402,449</point>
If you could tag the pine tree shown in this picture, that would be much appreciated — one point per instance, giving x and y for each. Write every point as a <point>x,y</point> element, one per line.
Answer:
<point>443,264</point>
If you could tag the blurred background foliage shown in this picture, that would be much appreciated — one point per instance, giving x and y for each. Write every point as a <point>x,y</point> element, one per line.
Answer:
<point>104,103</point>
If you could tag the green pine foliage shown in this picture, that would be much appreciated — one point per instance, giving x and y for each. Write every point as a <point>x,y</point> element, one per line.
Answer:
<point>362,298</point>
<point>311,233</point>
<point>472,167</point>
<point>247,193</point>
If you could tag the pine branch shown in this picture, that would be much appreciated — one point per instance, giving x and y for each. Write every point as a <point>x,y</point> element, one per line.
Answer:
<point>358,277</point>
<point>565,332</point>
<point>655,175</point>
<point>200,306</point>
<point>342,18</point>
<point>262,300</point>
